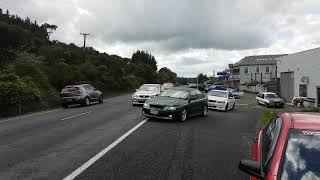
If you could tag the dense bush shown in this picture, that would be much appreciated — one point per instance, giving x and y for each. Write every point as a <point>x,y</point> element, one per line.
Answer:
<point>34,69</point>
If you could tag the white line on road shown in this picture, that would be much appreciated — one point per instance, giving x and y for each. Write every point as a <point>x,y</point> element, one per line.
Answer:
<point>75,116</point>
<point>87,164</point>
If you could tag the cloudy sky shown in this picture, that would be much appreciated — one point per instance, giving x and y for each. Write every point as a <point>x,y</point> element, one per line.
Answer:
<point>187,36</point>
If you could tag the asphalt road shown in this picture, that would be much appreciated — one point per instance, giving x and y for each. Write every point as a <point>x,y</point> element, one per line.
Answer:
<point>51,145</point>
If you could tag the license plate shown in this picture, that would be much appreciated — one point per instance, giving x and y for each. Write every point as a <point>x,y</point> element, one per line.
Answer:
<point>152,111</point>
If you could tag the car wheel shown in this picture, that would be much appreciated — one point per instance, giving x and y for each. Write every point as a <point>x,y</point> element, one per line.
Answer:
<point>268,105</point>
<point>86,102</point>
<point>233,106</point>
<point>183,115</point>
<point>101,99</point>
<point>205,111</point>
<point>226,109</point>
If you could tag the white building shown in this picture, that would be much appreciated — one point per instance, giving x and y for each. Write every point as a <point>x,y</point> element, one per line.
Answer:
<point>300,75</point>
<point>259,69</point>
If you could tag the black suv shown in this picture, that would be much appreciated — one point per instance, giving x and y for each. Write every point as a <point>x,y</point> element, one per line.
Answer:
<point>80,94</point>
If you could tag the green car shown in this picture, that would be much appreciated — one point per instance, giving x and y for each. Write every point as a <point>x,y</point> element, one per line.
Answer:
<point>176,104</point>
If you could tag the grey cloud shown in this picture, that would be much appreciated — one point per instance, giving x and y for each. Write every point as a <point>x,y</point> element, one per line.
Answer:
<point>191,61</point>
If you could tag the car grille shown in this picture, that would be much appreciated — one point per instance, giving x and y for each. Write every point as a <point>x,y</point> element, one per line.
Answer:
<point>157,107</point>
<point>212,101</point>
<point>144,96</point>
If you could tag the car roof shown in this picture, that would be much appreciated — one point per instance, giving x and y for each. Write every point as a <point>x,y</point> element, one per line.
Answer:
<point>267,93</point>
<point>303,120</point>
<point>77,85</point>
<point>219,90</point>
<point>152,84</point>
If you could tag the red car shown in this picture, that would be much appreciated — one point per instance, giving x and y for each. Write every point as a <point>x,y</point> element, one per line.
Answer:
<point>286,148</point>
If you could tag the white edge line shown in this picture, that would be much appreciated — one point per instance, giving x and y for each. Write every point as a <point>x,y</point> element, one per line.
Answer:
<point>87,164</point>
<point>75,116</point>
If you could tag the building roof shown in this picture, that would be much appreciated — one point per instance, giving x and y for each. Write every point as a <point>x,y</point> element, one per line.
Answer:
<point>259,60</point>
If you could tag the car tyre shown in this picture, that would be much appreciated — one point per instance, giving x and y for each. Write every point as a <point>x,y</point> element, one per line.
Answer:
<point>101,99</point>
<point>183,115</point>
<point>86,102</point>
<point>205,111</point>
<point>226,109</point>
<point>233,106</point>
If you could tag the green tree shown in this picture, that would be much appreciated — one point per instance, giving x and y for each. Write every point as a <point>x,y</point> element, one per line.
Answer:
<point>145,58</point>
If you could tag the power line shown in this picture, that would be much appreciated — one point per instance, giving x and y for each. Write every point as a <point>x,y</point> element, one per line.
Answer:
<point>84,39</point>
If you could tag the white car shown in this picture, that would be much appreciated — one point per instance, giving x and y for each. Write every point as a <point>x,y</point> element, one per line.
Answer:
<point>235,92</point>
<point>145,92</point>
<point>221,100</point>
<point>269,99</point>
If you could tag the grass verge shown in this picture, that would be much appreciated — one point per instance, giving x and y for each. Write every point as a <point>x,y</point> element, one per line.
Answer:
<point>266,117</point>
<point>314,109</point>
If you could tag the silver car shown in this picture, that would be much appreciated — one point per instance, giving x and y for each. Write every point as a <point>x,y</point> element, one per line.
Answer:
<point>145,92</point>
<point>82,94</point>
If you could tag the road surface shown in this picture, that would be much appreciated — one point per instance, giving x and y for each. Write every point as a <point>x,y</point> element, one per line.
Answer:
<point>53,144</point>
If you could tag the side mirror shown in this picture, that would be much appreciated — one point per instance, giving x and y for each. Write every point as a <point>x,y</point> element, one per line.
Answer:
<point>251,167</point>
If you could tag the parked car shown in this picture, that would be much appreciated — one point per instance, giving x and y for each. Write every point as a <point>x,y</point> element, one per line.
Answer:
<point>176,104</point>
<point>145,92</point>
<point>269,99</point>
<point>221,100</point>
<point>166,86</point>
<point>235,92</point>
<point>286,148</point>
<point>82,94</point>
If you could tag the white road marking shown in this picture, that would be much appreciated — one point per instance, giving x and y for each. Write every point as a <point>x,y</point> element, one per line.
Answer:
<point>87,164</point>
<point>242,104</point>
<point>75,116</point>
<point>29,115</point>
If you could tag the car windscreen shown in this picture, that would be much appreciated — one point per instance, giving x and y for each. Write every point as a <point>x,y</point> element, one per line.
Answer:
<point>70,89</point>
<point>302,156</point>
<point>181,94</point>
<point>271,96</point>
<point>149,87</point>
<point>218,94</point>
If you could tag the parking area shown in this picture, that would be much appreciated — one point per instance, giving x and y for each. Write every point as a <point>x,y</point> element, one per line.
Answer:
<point>248,103</point>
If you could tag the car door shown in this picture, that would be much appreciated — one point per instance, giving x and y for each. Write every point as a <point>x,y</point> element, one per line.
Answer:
<point>95,92</point>
<point>268,141</point>
<point>202,101</point>
<point>194,102</point>
<point>90,92</point>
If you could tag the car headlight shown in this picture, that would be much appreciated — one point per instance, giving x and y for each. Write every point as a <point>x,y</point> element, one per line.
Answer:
<point>221,102</point>
<point>134,96</point>
<point>146,106</point>
<point>172,108</point>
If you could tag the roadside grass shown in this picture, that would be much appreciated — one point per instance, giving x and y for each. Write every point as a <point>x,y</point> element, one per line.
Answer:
<point>108,95</point>
<point>314,109</point>
<point>266,117</point>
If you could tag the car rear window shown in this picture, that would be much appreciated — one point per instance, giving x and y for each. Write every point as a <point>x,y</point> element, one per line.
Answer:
<point>302,156</point>
<point>70,89</point>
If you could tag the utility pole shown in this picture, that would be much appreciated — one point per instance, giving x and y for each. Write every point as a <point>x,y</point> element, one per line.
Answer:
<point>84,39</point>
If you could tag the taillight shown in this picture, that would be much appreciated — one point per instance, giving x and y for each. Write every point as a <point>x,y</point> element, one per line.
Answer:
<point>77,93</point>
